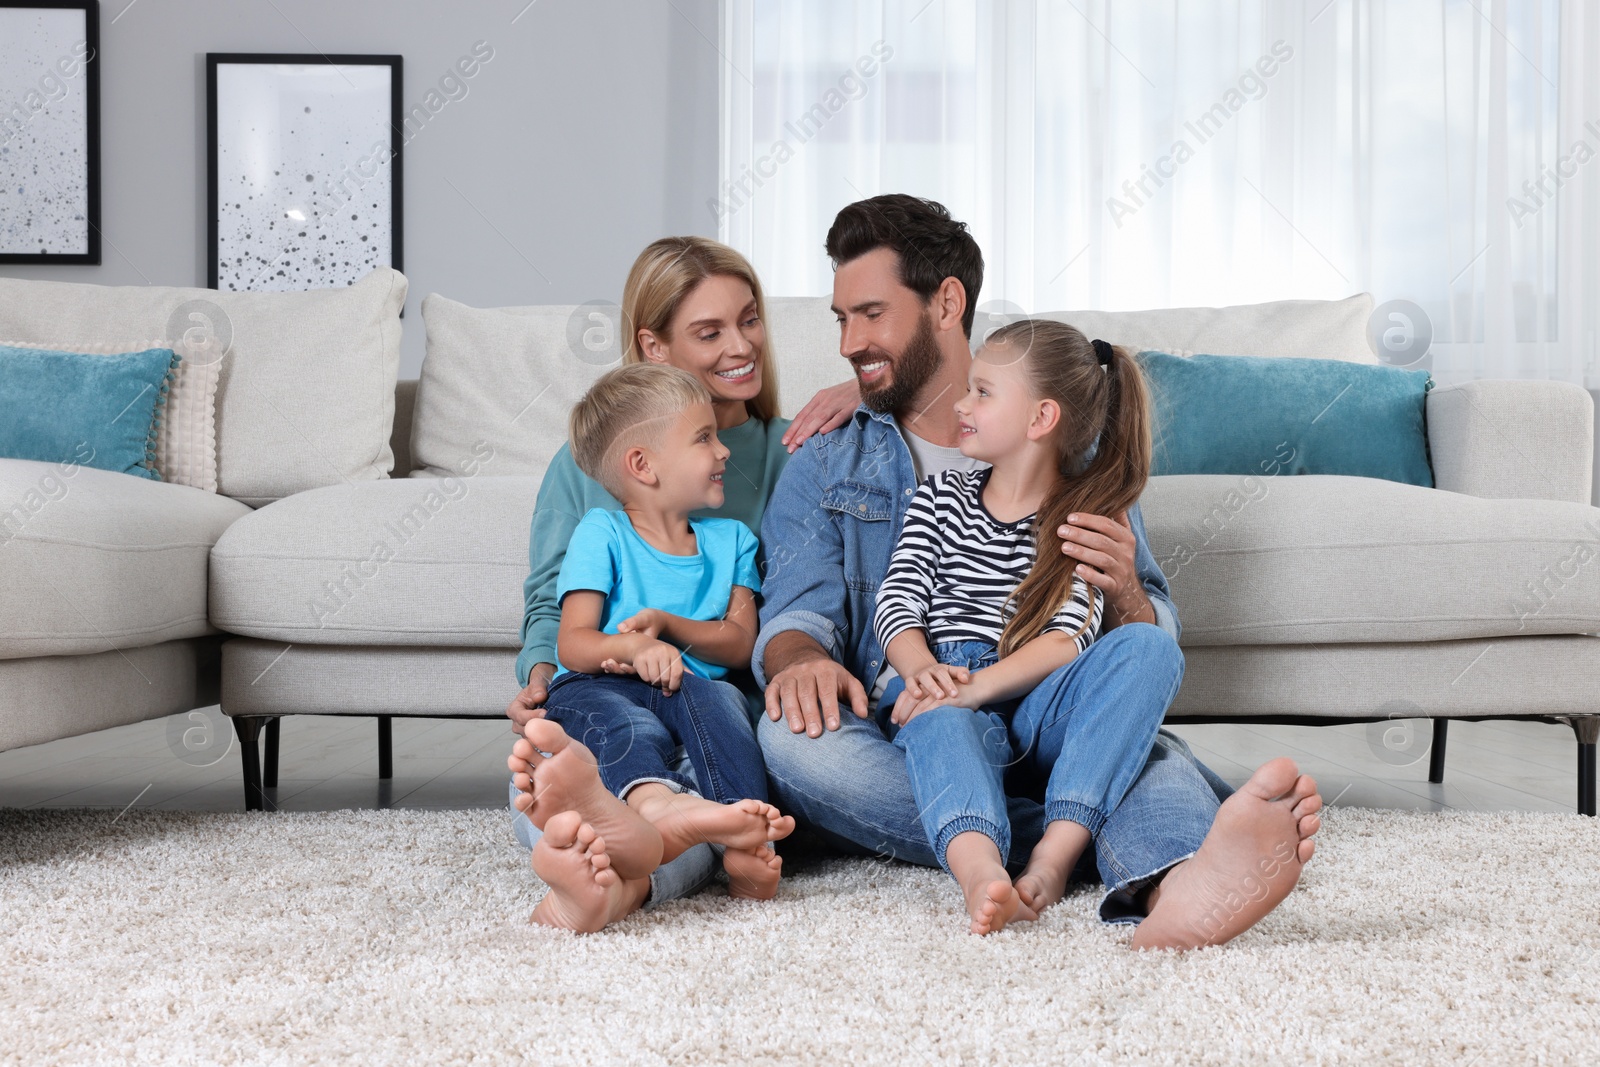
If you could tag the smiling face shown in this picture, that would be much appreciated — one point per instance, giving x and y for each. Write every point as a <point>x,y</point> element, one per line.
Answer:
<point>688,461</point>
<point>716,335</point>
<point>885,331</point>
<point>1000,412</point>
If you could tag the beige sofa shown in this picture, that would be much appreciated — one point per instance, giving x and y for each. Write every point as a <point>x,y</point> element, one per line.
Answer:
<point>1302,599</point>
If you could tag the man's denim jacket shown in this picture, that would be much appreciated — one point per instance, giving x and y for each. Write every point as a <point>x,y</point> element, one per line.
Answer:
<point>830,528</point>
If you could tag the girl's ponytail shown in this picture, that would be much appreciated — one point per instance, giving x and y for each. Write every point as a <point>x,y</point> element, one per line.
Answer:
<point>1105,405</point>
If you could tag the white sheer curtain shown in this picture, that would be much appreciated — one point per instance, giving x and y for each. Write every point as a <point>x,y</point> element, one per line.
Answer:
<point>1161,153</point>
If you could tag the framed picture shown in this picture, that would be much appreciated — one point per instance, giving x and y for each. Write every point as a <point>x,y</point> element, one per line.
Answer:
<point>303,169</point>
<point>50,131</point>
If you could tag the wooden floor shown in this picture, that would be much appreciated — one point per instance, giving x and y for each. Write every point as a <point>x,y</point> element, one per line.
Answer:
<point>192,763</point>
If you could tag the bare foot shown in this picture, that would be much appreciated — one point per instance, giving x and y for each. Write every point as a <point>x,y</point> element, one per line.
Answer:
<point>566,780</point>
<point>585,893</point>
<point>1247,864</point>
<point>684,821</point>
<point>1044,881</point>
<point>752,874</point>
<point>993,902</point>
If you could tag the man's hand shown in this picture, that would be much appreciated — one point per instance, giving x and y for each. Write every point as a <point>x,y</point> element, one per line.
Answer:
<point>1104,548</point>
<point>529,704</point>
<point>807,693</point>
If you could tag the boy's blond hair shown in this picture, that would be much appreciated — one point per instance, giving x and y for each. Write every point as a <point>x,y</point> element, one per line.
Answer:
<point>628,407</point>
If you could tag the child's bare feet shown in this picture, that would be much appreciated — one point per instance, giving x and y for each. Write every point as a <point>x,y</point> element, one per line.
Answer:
<point>1044,881</point>
<point>684,821</point>
<point>1247,864</point>
<point>567,780</point>
<point>585,893</point>
<point>752,874</point>
<point>992,900</point>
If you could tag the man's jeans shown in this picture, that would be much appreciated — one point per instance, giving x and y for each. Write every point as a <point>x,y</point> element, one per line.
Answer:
<point>851,784</point>
<point>1086,753</point>
<point>633,728</point>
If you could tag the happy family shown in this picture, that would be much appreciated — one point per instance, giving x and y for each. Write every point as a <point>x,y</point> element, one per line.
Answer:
<point>950,646</point>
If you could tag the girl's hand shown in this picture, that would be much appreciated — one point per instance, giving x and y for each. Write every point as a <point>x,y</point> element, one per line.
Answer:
<point>659,664</point>
<point>650,622</point>
<point>968,694</point>
<point>828,410</point>
<point>936,680</point>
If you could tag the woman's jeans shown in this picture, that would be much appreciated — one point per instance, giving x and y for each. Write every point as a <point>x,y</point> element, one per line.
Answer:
<point>958,759</point>
<point>701,733</point>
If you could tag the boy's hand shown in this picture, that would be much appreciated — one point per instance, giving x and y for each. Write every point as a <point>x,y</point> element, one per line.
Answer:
<point>936,680</point>
<point>650,622</point>
<point>659,664</point>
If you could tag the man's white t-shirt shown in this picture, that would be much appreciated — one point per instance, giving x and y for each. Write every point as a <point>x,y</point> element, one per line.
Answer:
<point>927,459</point>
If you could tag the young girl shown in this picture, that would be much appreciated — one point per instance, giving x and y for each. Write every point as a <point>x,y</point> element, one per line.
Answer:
<point>983,635</point>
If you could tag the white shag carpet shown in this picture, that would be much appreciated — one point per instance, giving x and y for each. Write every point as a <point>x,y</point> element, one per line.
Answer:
<point>402,937</point>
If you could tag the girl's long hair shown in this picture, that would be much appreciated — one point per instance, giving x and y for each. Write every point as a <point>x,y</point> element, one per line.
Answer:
<point>665,273</point>
<point>1109,404</point>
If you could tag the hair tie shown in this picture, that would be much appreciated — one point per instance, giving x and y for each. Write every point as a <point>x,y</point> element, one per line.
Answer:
<point>1102,352</point>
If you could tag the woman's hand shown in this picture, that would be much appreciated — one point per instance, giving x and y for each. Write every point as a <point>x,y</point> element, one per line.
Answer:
<point>529,704</point>
<point>826,411</point>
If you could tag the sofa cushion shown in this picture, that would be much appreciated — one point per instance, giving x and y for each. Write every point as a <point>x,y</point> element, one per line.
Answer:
<point>306,393</point>
<point>1318,329</point>
<point>508,377</point>
<point>1322,559</point>
<point>408,561</point>
<point>92,560</point>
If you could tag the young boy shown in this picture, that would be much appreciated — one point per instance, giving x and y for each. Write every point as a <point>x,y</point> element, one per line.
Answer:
<point>655,608</point>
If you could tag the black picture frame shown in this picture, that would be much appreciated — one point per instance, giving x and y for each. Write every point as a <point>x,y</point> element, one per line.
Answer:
<point>51,66</point>
<point>396,142</point>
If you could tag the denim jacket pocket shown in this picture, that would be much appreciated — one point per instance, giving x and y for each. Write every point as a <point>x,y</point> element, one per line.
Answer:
<point>859,501</point>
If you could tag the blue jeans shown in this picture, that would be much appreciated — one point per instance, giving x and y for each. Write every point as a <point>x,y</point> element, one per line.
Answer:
<point>633,729</point>
<point>957,758</point>
<point>851,785</point>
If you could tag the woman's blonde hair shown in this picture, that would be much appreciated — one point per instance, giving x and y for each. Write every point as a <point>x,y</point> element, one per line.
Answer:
<point>665,273</point>
<point>1107,403</point>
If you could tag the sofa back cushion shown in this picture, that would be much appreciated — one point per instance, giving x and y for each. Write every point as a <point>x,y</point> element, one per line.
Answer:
<point>506,378</point>
<point>305,393</point>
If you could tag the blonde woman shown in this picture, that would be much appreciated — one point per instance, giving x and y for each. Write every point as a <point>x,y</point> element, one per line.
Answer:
<point>697,305</point>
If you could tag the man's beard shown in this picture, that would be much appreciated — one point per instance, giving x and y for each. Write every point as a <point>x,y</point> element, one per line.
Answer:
<point>914,369</point>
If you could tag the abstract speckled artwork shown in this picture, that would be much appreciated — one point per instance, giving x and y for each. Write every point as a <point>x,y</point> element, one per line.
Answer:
<point>304,174</point>
<point>45,126</point>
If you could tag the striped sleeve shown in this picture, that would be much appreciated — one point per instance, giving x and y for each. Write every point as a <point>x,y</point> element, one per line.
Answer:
<point>907,589</point>
<point>1075,611</point>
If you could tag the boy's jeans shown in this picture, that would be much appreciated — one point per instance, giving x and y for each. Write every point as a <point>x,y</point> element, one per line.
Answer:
<point>958,758</point>
<point>633,728</point>
<point>851,785</point>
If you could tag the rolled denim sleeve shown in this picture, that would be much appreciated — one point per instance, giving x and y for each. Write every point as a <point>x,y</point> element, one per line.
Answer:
<point>804,585</point>
<point>1152,578</point>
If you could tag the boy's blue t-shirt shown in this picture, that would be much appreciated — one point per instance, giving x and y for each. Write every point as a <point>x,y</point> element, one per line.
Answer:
<point>609,557</point>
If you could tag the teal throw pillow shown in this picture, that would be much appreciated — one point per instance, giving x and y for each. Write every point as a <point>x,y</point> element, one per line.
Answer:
<point>1265,415</point>
<point>92,410</point>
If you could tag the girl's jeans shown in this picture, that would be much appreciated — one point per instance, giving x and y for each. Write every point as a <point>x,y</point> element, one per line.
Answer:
<point>959,759</point>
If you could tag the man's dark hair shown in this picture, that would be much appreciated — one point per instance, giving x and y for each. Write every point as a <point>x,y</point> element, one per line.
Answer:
<point>930,244</point>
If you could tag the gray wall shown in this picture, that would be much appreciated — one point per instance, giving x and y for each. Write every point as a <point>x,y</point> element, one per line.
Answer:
<point>591,132</point>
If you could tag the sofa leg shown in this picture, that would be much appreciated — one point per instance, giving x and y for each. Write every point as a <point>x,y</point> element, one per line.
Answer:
<point>1441,728</point>
<point>1588,731</point>
<point>269,773</point>
<point>385,746</point>
<point>248,729</point>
